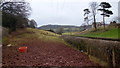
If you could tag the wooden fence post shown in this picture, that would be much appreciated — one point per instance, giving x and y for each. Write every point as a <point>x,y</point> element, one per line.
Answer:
<point>113,57</point>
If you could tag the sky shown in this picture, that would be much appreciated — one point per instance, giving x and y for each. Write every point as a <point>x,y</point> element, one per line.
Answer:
<point>65,12</point>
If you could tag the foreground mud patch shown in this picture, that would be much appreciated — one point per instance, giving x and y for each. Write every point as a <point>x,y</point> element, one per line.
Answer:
<point>41,53</point>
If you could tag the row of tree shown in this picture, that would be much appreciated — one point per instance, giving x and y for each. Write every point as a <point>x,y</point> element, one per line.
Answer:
<point>15,14</point>
<point>94,7</point>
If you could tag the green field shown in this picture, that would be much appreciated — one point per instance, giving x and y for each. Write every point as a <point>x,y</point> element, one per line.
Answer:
<point>111,33</point>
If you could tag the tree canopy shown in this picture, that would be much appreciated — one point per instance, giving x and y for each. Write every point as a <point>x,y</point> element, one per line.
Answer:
<point>16,8</point>
<point>104,9</point>
<point>14,11</point>
<point>86,19</point>
<point>105,5</point>
<point>87,11</point>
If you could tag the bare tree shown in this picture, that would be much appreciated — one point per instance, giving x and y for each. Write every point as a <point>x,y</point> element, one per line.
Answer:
<point>93,8</point>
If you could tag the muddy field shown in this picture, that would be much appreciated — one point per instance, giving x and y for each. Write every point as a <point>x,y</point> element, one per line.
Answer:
<point>44,49</point>
<point>41,53</point>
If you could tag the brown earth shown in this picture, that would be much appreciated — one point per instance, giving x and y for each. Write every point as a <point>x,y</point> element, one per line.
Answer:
<point>43,53</point>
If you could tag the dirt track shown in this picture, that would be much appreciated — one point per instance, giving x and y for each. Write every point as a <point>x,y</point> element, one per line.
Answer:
<point>45,54</point>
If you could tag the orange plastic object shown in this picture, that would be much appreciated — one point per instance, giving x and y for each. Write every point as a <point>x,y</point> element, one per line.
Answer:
<point>23,49</point>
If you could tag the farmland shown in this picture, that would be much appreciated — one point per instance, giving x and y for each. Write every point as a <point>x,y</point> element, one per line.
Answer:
<point>101,33</point>
<point>44,49</point>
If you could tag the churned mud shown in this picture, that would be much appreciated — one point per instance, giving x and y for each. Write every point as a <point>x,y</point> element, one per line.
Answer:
<point>41,53</point>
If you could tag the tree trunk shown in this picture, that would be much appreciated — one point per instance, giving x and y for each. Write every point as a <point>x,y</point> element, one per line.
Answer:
<point>104,22</point>
<point>87,20</point>
<point>104,19</point>
<point>94,23</point>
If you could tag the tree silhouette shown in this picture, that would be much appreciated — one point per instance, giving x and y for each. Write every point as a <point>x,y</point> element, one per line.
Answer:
<point>106,12</point>
<point>33,24</point>
<point>86,13</point>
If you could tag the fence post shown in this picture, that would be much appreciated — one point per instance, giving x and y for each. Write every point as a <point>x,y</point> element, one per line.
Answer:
<point>113,57</point>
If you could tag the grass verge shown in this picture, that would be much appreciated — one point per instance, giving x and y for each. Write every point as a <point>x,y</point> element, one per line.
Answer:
<point>30,34</point>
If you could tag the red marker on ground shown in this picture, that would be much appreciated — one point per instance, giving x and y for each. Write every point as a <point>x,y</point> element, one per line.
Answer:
<point>23,49</point>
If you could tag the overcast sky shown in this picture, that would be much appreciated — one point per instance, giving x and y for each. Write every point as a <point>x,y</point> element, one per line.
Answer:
<point>65,12</point>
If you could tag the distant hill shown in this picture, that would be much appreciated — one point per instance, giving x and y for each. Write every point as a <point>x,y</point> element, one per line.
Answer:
<point>64,28</point>
<point>56,26</point>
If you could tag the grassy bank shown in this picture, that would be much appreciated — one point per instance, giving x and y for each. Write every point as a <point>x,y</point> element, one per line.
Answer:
<point>113,33</point>
<point>101,33</point>
<point>22,36</point>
